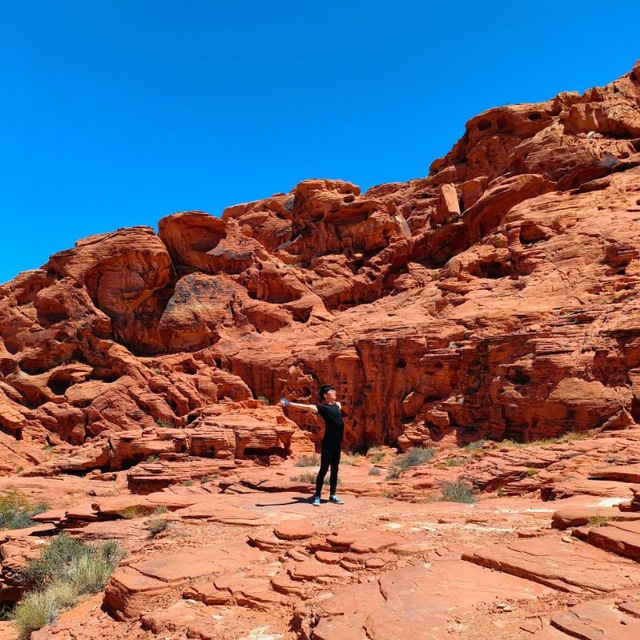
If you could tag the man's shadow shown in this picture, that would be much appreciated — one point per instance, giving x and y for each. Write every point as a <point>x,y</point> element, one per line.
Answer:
<point>296,500</point>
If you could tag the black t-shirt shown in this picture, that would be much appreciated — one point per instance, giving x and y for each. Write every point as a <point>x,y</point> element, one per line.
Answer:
<point>334,424</point>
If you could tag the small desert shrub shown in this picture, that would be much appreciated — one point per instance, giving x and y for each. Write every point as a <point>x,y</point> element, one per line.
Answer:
<point>60,560</point>
<point>376,456</point>
<point>455,462</point>
<point>474,446</point>
<point>16,511</point>
<point>187,483</point>
<point>459,491</point>
<point>35,611</point>
<point>307,461</point>
<point>351,459</point>
<point>131,512</point>
<point>263,399</point>
<point>575,435</point>
<point>394,473</point>
<point>375,471</point>
<point>544,441</point>
<point>207,478</point>
<point>90,573</point>
<point>598,521</point>
<point>156,526</point>
<point>158,511</point>
<point>531,471</point>
<point>152,458</point>
<point>567,437</point>
<point>308,477</point>
<point>164,424</point>
<point>414,457</point>
<point>65,570</point>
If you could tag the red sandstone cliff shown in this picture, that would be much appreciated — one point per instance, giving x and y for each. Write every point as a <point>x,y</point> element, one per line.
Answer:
<point>496,298</point>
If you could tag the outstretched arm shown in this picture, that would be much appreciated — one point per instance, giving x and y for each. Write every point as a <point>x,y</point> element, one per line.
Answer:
<point>298,405</point>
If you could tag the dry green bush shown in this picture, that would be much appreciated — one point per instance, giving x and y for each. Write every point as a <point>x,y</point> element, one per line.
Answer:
<point>157,526</point>
<point>459,491</point>
<point>65,570</point>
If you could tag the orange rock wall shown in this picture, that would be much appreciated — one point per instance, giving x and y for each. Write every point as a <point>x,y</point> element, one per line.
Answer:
<point>495,298</point>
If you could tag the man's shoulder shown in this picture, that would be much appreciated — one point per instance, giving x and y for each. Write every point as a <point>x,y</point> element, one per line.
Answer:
<point>329,407</point>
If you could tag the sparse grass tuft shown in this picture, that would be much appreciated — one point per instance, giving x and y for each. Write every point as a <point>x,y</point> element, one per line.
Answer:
<point>207,478</point>
<point>375,471</point>
<point>59,560</point>
<point>90,573</point>
<point>394,473</point>
<point>151,459</point>
<point>64,570</point>
<point>131,512</point>
<point>307,477</point>
<point>455,462</point>
<point>598,521</point>
<point>164,424</point>
<point>376,456</point>
<point>307,461</point>
<point>459,491</point>
<point>351,459</point>
<point>36,610</point>
<point>263,399</point>
<point>413,458</point>
<point>570,436</point>
<point>474,446</point>
<point>16,511</point>
<point>156,526</point>
<point>532,471</point>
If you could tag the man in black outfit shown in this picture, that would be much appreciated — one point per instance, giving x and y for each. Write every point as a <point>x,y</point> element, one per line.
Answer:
<point>330,412</point>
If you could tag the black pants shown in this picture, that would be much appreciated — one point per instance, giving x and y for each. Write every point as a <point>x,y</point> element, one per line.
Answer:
<point>330,457</point>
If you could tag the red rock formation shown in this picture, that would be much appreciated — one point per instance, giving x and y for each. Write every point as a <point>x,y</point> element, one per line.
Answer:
<point>495,298</point>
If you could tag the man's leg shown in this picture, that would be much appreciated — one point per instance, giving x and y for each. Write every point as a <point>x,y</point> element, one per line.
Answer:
<point>325,462</point>
<point>335,463</point>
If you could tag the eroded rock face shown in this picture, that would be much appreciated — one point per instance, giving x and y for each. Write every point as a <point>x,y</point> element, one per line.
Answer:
<point>495,298</point>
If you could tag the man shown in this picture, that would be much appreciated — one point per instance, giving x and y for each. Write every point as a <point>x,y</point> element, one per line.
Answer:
<point>330,412</point>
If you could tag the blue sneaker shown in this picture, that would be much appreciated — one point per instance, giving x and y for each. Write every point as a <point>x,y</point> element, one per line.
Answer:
<point>335,500</point>
<point>316,501</point>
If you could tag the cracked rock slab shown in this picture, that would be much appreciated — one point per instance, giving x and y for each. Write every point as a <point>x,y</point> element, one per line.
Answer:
<point>570,566</point>
<point>596,621</point>
<point>421,602</point>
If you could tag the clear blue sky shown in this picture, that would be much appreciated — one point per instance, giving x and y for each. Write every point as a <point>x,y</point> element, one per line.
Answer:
<point>116,113</point>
